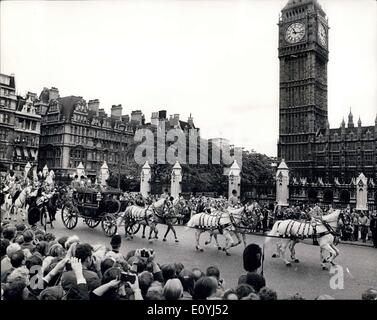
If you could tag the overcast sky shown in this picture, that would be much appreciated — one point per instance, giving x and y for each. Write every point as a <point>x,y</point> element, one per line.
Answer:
<point>215,59</point>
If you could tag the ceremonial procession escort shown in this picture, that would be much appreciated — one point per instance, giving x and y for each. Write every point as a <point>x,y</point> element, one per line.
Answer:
<point>222,163</point>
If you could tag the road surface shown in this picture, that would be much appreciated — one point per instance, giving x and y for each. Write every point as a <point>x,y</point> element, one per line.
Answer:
<point>359,264</point>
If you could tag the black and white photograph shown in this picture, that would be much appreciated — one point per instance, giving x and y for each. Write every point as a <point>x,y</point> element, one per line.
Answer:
<point>179,154</point>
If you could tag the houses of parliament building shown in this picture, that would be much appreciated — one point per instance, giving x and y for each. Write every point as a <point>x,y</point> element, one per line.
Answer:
<point>330,159</point>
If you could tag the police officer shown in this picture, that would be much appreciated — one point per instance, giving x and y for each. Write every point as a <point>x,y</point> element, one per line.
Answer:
<point>373,227</point>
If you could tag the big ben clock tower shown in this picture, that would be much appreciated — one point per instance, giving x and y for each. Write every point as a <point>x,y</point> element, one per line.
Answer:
<point>303,55</point>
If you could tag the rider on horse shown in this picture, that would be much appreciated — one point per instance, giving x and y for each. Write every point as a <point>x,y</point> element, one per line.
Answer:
<point>315,216</point>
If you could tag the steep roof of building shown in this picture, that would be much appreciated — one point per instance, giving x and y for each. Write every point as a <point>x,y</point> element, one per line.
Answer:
<point>68,104</point>
<point>20,103</point>
<point>295,3</point>
<point>184,124</point>
<point>44,96</point>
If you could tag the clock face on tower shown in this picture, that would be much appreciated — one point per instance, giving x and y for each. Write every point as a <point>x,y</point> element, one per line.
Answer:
<point>295,32</point>
<point>322,35</point>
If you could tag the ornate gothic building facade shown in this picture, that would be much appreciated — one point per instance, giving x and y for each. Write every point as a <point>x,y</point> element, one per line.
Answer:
<point>319,157</point>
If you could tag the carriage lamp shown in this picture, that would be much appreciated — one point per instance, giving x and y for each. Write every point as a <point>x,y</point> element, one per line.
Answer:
<point>99,197</point>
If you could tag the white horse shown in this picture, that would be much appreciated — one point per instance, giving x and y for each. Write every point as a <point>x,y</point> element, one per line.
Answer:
<point>163,214</point>
<point>20,204</point>
<point>292,232</point>
<point>246,223</point>
<point>218,222</point>
<point>5,207</point>
<point>137,215</point>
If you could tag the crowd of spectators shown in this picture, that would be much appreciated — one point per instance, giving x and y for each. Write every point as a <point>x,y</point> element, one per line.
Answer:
<point>358,226</point>
<point>38,266</point>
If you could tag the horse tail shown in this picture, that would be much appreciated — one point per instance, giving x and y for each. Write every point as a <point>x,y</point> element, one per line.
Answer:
<point>190,224</point>
<point>273,232</point>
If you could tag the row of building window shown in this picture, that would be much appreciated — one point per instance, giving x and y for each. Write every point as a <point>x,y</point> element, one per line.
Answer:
<point>4,134</point>
<point>351,137</point>
<point>7,92</point>
<point>5,118</point>
<point>27,140</point>
<point>51,139</point>
<point>26,124</point>
<point>52,130</point>
<point>348,161</point>
<point>84,119</point>
<point>81,155</point>
<point>344,147</point>
<point>6,103</point>
<point>99,134</point>
<point>51,117</point>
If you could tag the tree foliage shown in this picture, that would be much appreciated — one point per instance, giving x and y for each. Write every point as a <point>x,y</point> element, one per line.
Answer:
<point>256,169</point>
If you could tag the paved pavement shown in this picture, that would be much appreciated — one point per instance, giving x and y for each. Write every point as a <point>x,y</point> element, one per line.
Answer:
<point>359,263</point>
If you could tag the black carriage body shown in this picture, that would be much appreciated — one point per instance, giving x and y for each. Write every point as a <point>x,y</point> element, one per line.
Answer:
<point>94,207</point>
<point>88,206</point>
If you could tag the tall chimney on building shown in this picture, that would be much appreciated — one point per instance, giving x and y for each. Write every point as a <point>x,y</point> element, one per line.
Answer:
<point>12,81</point>
<point>162,114</point>
<point>125,118</point>
<point>137,117</point>
<point>154,118</point>
<point>93,105</point>
<point>53,93</point>
<point>116,112</point>
<point>176,119</point>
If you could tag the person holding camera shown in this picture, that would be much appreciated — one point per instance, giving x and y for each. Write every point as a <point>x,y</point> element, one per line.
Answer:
<point>90,265</point>
<point>117,285</point>
<point>144,259</point>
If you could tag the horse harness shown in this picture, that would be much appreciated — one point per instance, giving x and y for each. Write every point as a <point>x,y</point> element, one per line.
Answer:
<point>330,230</point>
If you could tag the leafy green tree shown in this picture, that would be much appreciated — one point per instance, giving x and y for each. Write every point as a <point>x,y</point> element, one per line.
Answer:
<point>256,169</point>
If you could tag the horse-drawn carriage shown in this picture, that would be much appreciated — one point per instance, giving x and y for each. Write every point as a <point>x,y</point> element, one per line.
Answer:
<point>94,207</point>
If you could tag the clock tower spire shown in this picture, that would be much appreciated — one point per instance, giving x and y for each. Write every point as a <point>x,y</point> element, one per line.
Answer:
<point>303,55</point>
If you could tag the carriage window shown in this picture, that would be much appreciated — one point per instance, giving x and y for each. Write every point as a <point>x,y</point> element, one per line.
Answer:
<point>81,197</point>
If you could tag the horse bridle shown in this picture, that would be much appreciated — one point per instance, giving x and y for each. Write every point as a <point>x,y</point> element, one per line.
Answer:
<point>242,215</point>
<point>330,228</point>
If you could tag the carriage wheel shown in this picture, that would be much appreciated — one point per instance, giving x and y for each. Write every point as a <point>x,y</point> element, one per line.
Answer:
<point>69,217</point>
<point>133,228</point>
<point>92,223</point>
<point>109,225</point>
